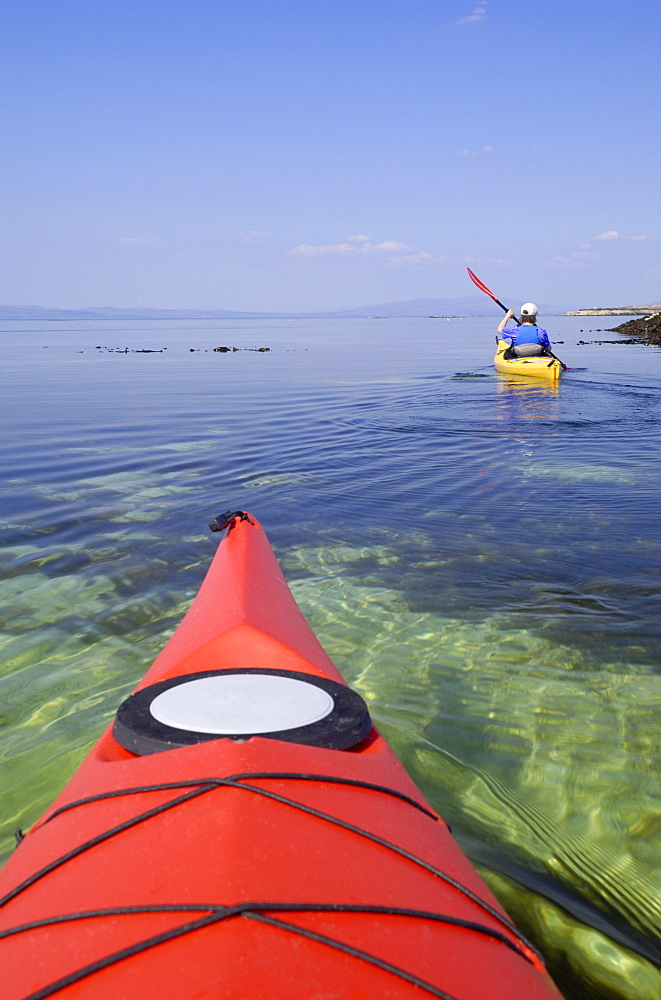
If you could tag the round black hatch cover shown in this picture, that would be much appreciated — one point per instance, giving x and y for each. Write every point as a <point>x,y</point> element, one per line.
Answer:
<point>237,704</point>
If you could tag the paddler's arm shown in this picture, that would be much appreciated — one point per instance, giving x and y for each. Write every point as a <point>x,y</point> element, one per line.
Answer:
<point>544,338</point>
<point>503,323</point>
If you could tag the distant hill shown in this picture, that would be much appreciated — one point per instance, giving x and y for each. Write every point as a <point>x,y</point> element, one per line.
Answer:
<point>110,312</point>
<point>471,306</point>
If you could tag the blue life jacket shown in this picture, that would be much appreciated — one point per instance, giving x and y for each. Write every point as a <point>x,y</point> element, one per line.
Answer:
<point>527,334</point>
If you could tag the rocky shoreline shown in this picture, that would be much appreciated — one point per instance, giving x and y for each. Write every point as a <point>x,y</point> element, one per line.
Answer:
<point>617,311</point>
<point>647,328</point>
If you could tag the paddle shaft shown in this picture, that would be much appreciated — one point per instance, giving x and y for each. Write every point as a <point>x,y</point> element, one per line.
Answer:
<point>505,309</point>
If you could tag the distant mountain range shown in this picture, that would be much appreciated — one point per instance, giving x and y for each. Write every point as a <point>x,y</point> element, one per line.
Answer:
<point>472,306</point>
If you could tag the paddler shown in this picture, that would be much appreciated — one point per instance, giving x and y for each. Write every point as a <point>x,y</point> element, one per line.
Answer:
<point>528,339</point>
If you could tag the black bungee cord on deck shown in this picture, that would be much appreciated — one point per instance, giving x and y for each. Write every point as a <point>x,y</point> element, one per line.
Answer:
<point>260,911</point>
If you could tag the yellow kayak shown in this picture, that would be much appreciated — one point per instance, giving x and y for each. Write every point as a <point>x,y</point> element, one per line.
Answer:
<point>540,366</point>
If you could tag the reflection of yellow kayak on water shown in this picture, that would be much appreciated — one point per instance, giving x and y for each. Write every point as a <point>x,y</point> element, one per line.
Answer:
<point>519,387</point>
<point>540,365</point>
<point>521,398</point>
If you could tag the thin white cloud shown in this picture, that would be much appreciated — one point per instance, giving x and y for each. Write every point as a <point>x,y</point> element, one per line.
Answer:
<point>310,250</point>
<point>612,234</point>
<point>586,254</point>
<point>476,152</point>
<point>575,259</point>
<point>255,237</point>
<point>139,240</point>
<point>418,257</point>
<point>477,14</point>
<point>392,246</point>
<point>362,246</point>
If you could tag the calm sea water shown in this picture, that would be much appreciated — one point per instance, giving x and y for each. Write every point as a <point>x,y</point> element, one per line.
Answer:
<point>481,556</point>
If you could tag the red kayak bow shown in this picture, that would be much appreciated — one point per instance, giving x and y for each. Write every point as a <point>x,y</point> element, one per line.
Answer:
<point>242,830</point>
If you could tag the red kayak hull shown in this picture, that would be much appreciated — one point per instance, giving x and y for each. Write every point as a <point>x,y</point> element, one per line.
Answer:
<point>251,867</point>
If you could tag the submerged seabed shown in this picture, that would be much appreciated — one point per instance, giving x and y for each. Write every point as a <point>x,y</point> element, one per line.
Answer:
<point>480,556</point>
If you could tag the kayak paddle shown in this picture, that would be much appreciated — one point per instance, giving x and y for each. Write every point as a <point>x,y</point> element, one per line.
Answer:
<point>483,288</point>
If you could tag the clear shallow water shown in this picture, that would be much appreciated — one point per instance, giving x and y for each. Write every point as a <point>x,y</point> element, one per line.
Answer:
<point>481,557</point>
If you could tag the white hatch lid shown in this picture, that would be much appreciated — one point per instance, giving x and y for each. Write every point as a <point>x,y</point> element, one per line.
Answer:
<point>242,703</point>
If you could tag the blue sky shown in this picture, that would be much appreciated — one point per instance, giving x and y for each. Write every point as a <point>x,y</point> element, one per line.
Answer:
<point>298,155</point>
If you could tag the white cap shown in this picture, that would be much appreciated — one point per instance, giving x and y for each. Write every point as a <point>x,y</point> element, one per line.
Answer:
<point>528,309</point>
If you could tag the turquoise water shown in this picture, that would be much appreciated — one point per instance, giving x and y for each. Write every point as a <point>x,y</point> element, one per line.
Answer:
<point>480,555</point>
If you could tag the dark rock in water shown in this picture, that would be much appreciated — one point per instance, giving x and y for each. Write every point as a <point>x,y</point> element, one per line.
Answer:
<point>192,350</point>
<point>225,350</point>
<point>647,328</point>
<point>125,350</point>
<point>630,340</point>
